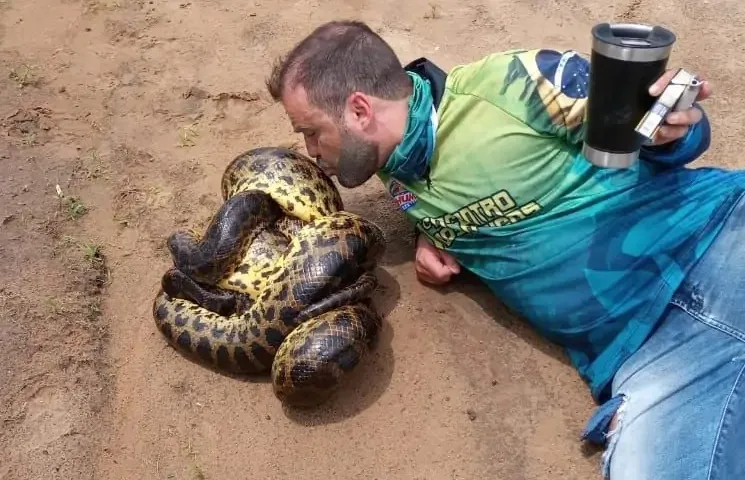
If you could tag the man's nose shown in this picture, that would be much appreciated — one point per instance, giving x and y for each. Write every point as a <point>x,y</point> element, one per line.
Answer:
<point>312,149</point>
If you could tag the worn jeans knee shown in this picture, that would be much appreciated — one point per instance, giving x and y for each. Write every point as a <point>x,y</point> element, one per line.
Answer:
<point>677,410</point>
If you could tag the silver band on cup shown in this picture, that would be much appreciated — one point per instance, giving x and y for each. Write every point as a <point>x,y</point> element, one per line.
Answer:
<point>609,159</point>
<point>634,50</point>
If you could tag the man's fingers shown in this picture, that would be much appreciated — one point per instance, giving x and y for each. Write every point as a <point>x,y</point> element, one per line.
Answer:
<point>705,91</point>
<point>449,262</point>
<point>677,124</point>
<point>429,277</point>
<point>434,265</point>
<point>438,270</point>
<point>658,86</point>
<point>687,117</point>
<point>668,133</point>
<point>431,269</point>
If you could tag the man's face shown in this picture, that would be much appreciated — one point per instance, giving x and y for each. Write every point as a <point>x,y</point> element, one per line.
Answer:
<point>338,145</point>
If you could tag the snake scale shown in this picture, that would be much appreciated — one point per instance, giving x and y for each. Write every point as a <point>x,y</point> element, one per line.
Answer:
<point>279,281</point>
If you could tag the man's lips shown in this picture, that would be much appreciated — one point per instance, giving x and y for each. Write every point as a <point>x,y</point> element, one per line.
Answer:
<point>325,167</point>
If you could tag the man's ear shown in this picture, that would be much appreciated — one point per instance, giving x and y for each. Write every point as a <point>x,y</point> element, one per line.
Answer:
<point>359,110</point>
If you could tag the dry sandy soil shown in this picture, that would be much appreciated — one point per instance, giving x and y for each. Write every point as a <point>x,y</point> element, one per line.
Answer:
<point>132,108</point>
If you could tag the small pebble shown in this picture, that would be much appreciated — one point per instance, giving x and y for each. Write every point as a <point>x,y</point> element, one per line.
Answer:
<point>268,417</point>
<point>62,89</point>
<point>471,414</point>
<point>87,29</point>
<point>493,383</point>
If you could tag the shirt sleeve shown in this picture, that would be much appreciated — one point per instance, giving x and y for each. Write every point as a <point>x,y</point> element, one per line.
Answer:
<point>547,90</point>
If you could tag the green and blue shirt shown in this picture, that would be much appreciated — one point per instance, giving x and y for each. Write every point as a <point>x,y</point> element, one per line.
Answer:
<point>589,256</point>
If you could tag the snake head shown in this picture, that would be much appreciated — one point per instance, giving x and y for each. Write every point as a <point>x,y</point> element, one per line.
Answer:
<point>188,257</point>
<point>375,243</point>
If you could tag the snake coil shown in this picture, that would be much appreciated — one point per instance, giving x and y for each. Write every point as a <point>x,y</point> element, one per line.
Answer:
<point>279,281</point>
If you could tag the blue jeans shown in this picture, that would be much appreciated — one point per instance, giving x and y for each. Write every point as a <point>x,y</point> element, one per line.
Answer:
<point>679,401</point>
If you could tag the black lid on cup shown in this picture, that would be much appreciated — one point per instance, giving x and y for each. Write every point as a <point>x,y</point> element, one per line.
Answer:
<point>632,42</point>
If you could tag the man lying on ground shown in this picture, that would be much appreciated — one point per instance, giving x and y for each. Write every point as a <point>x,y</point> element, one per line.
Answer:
<point>635,272</point>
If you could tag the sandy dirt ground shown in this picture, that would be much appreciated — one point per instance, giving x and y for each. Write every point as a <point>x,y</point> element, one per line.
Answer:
<point>116,120</point>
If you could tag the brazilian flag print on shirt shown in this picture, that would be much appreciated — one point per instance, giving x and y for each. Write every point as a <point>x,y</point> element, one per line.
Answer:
<point>589,256</point>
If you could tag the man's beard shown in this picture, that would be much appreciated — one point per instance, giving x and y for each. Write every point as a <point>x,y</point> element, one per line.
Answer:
<point>358,160</point>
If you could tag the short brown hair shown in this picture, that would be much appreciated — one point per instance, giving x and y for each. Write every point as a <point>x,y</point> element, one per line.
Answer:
<point>337,59</point>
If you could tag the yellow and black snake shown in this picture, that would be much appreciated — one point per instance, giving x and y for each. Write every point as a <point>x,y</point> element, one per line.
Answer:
<point>280,280</point>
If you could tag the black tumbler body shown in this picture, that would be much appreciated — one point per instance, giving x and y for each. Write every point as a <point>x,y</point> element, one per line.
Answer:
<point>625,61</point>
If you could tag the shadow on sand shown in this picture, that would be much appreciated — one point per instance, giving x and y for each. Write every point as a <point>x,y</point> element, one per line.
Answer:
<point>471,286</point>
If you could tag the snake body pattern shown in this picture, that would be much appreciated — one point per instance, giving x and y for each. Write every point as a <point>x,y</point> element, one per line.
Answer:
<point>280,280</point>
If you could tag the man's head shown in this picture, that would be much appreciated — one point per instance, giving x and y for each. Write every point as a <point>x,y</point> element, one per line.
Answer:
<point>345,90</point>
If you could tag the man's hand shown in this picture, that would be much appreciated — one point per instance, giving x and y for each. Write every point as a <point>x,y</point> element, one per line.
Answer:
<point>677,123</point>
<point>433,265</point>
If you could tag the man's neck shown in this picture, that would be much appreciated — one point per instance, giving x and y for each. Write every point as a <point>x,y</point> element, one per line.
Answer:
<point>391,119</point>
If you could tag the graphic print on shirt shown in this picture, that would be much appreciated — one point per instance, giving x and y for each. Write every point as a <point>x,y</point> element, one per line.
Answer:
<point>550,98</point>
<point>492,211</point>
<point>403,198</point>
<point>555,87</point>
